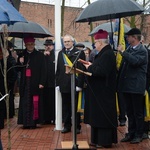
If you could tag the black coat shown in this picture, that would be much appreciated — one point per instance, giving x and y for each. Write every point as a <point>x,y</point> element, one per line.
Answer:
<point>132,73</point>
<point>102,87</point>
<point>11,78</point>
<point>50,65</point>
<point>63,80</point>
<point>37,65</point>
<point>29,87</point>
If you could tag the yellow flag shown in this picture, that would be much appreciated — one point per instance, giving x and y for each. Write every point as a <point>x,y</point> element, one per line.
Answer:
<point>68,62</point>
<point>121,42</point>
<point>147,107</point>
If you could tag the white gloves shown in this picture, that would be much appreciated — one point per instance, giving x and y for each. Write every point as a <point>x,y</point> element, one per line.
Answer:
<point>78,89</point>
<point>57,88</point>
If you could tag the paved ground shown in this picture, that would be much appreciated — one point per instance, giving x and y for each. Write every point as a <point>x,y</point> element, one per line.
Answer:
<point>46,138</point>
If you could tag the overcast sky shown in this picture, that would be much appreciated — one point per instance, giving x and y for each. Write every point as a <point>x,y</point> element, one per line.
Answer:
<point>73,3</point>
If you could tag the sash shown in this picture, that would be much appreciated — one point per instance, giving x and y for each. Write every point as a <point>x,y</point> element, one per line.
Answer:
<point>35,107</point>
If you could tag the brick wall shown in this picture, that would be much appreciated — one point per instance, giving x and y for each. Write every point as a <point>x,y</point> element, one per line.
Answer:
<point>44,15</point>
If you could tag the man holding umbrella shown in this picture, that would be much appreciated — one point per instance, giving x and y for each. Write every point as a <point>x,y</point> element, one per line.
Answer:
<point>132,83</point>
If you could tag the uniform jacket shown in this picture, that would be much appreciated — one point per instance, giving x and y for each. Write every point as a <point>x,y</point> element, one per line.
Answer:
<point>63,80</point>
<point>132,73</point>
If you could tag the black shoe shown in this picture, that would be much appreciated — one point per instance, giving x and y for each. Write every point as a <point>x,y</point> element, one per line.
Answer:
<point>136,140</point>
<point>66,130</point>
<point>99,146</point>
<point>127,138</point>
<point>46,122</point>
<point>122,123</point>
<point>78,131</point>
<point>107,146</point>
<point>26,127</point>
<point>145,136</point>
<point>32,127</point>
<point>92,144</point>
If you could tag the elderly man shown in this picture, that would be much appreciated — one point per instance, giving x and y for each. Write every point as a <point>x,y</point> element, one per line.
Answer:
<point>132,83</point>
<point>63,81</point>
<point>102,86</point>
<point>33,77</point>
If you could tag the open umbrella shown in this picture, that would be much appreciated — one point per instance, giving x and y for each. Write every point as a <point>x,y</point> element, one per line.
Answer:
<point>9,14</point>
<point>147,10</point>
<point>107,27</point>
<point>23,29</point>
<point>109,9</point>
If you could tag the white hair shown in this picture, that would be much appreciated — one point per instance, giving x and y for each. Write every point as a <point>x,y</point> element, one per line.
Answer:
<point>106,41</point>
<point>67,35</point>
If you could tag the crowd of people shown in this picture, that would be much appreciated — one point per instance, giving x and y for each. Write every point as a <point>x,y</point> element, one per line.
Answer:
<point>38,82</point>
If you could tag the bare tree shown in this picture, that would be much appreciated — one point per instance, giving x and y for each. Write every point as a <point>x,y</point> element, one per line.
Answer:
<point>140,21</point>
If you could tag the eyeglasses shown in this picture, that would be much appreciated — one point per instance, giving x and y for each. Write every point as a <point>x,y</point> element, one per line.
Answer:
<point>48,45</point>
<point>30,44</point>
<point>96,42</point>
<point>67,41</point>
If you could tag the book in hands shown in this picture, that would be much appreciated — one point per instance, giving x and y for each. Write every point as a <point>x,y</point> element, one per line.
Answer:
<point>83,61</point>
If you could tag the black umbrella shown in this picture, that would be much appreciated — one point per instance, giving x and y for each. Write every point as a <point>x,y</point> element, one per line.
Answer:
<point>22,29</point>
<point>107,27</point>
<point>109,9</point>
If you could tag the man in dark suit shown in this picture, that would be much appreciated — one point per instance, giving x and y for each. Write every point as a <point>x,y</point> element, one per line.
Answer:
<point>49,88</point>
<point>132,83</point>
<point>63,81</point>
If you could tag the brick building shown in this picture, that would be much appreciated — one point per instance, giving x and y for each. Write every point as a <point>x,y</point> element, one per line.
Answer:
<point>44,15</point>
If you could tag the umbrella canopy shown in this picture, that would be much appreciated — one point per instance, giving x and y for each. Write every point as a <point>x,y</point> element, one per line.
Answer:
<point>147,10</point>
<point>109,9</point>
<point>107,27</point>
<point>9,14</point>
<point>22,29</point>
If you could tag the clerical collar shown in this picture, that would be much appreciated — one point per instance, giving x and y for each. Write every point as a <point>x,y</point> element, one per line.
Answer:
<point>29,52</point>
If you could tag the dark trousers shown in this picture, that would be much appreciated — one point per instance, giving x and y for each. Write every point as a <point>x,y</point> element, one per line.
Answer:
<point>135,113</point>
<point>2,113</point>
<point>1,148</point>
<point>49,104</point>
<point>122,107</point>
<point>67,111</point>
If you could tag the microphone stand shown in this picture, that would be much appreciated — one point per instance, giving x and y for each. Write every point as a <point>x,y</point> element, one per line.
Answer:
<point>73,102</point>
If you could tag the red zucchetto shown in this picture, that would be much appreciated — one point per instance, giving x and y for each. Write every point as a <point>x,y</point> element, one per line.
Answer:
<point>29,40</point>
<point>101,34</point>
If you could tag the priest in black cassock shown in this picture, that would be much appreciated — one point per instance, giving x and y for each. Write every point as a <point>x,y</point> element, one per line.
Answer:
<point>33,77</point>
<point>102,114</point>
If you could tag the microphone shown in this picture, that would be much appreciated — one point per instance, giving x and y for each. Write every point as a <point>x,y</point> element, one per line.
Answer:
<point>80,50</point>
